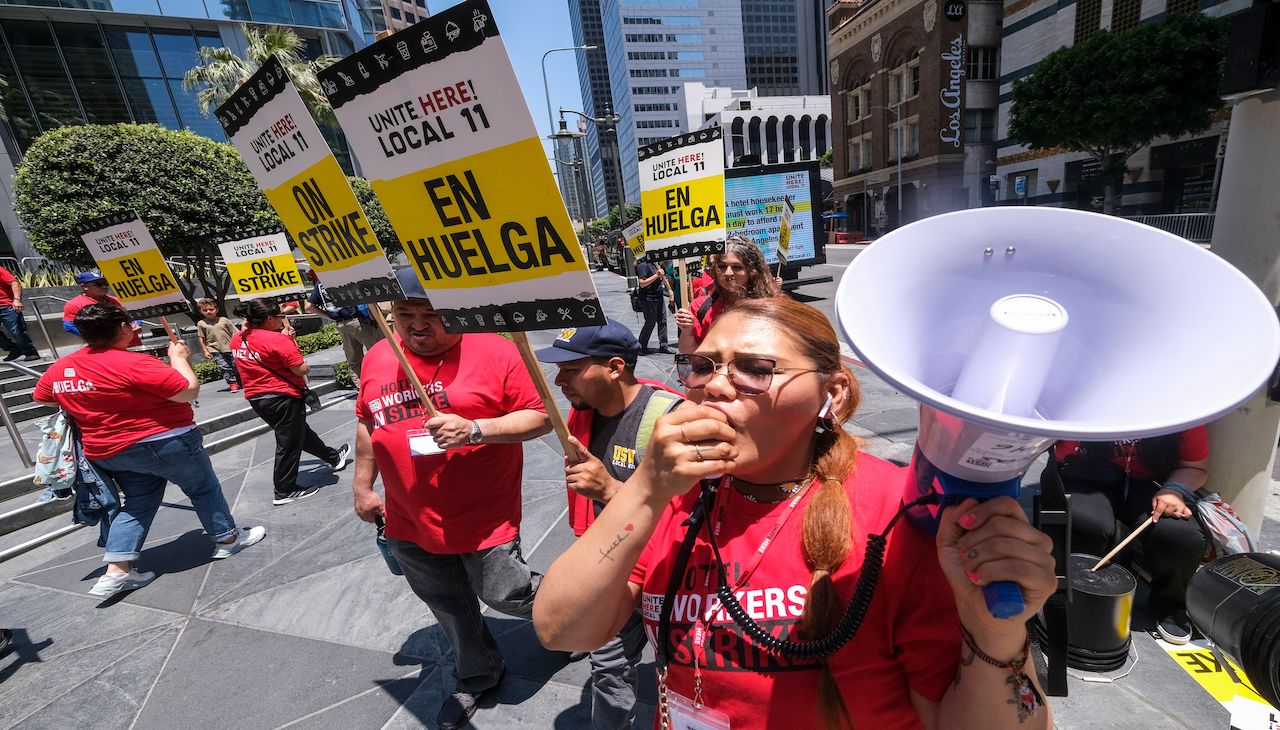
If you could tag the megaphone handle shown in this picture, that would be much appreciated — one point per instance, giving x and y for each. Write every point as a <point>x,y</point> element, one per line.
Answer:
<point>1004,598</point>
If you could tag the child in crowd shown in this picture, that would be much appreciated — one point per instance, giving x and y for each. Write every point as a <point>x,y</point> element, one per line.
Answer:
<point>215,340</point>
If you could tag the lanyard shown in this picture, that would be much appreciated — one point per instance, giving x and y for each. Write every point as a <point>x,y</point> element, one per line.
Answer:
<point>427,384</point>
<point>701,630</point>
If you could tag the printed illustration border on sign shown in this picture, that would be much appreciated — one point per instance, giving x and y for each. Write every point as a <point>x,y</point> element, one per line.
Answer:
<point>261,265</point>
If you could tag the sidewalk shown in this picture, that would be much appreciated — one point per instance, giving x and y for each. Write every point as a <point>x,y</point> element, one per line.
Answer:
<point>308,629</point>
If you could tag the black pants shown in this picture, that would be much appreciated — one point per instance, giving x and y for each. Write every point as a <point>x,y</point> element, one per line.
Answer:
<point>287,416</point>
<point>655,315</point>
<point>1171,548</point>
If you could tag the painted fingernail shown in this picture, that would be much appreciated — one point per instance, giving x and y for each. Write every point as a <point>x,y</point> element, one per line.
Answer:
<point>973,577</point>
<point>968,521</point>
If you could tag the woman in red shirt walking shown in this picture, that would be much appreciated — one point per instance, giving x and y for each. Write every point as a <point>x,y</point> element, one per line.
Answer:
<point>273,373</point>
<point>743,604</point>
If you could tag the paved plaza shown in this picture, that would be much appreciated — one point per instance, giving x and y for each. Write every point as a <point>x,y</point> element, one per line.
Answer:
<point>308,629</point>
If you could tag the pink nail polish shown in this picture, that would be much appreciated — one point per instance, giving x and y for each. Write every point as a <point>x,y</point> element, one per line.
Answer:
<point>973,577</point>
<point>968,521</point>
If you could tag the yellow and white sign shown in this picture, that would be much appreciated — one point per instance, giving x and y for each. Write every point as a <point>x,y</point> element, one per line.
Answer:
<point>784,228</point>
<point>1227,684</point>
<point>682,195</point>
<point>436,117</point>
<point>128,257</point>
<point>260,264</point>
<point>634,236</point>
<point>280,142</point>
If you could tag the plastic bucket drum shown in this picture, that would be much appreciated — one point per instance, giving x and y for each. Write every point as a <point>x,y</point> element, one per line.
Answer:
<point>1098,615</point>
<point>1236,602</point>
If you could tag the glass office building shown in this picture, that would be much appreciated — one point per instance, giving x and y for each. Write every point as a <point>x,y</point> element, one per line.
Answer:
<point>69,62</point>
<point>654,46</point>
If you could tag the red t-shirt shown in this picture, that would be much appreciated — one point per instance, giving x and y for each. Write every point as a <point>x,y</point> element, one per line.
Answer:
<point>80,301</point>
<point>6,287</point>
<point>703,323</point>
<point>1193,445</point>
<point>703,283</point>
<point>116,397</point>
<point>909,639</point>
<point>466,499</point>
<point>257,350</point>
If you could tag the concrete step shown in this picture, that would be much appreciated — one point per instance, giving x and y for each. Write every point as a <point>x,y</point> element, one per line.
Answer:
<point>17,397</point>
<point>30,411</point>
<point>26,524</point>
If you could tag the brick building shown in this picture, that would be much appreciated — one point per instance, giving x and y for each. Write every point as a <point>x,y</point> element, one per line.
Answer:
<point>936,64</point>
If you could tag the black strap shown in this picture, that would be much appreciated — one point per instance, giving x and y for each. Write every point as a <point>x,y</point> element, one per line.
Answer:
<point>700,510</point>
<point>1052,509</point>
<point>706,306</point>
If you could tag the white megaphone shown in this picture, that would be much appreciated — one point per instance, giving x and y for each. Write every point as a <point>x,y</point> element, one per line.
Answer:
<point>1018,326</point>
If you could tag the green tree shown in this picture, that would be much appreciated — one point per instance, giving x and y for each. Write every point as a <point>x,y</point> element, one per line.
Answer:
<point>376,215</point>
<point>186,188</point>
<point>220,71</point>
<point>825,159</point>
<point>1116,92</point>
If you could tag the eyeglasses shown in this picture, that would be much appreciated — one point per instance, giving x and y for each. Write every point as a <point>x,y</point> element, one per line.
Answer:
<point>749,375</point>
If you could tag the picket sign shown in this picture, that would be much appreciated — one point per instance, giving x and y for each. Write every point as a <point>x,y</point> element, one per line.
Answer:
<point>132,264</point>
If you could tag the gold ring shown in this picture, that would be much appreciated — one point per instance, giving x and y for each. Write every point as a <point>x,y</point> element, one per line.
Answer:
<point>697,450</point>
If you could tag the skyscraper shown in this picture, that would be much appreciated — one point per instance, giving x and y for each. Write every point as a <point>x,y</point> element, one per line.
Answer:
<point>593,75</point>
<point>785,46</point>
<point>653,47</point>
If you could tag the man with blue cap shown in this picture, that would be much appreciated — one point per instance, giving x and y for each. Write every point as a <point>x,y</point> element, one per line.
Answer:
<point>452,482</point>
<point>93,290</point>
<point>612,418</point>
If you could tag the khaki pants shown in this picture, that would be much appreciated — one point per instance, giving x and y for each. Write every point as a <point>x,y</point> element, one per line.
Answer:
<point>357,337</point>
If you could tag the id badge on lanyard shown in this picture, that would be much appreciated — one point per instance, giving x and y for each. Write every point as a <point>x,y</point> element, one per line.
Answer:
<point>685,714</point>
<point>422,444</point>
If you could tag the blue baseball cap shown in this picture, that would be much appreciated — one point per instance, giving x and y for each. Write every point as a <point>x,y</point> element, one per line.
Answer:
<point>611,339</point>
<point>85,277</point>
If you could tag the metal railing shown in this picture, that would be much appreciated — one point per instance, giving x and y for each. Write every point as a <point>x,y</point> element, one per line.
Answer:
<point>1195,227</point>
<point>10,425</point>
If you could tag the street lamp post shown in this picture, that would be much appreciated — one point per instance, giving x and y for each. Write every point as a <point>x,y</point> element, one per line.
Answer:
<point>897,123</point>
<point>609,123</point>
<point>551,123</point>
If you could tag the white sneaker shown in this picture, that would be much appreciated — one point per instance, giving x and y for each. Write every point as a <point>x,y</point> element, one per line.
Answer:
<point>246,538</point>
<point>344,457</point>
<point>113,583</point>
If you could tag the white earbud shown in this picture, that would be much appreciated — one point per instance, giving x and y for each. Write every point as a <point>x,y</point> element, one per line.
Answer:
<point>822,414</point>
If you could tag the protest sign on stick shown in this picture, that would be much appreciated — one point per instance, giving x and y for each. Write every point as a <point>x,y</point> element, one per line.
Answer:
<point>634,236</point>
<point>280,142</point>
<point>282,145</point>
<point>260,264</point>
<point>784,231</point>
<point>682,195</point>
<point>435,115</point>
<point>131,262</point>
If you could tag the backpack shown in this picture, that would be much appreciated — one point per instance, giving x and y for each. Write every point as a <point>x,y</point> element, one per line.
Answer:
<point>659,403</point>
<point>635,300</point>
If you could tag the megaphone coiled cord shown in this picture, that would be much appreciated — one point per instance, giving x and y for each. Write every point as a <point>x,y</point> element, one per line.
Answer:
<point>872,563</point>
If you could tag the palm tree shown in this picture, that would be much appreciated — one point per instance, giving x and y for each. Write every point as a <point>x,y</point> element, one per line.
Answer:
<point>220,71</point>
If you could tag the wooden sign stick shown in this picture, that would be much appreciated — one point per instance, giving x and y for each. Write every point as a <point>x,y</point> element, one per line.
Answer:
<point>381,319</point>
<point>686,289</point>
<point>1137,531</point>
<point>169,330</point>
<point>544,389</point>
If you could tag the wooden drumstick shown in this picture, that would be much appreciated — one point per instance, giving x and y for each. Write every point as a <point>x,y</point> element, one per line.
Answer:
<point>1137,530</point>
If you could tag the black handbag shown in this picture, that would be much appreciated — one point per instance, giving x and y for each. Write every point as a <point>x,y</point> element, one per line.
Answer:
<point>308,395</point>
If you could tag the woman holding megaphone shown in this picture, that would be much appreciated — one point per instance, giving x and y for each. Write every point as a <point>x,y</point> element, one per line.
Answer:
<point>754,588</point>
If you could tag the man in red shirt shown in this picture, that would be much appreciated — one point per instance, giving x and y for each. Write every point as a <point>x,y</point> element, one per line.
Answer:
<point>93,290</point>
<point>13,328</point>
<point>137,430</point>
<point>453,512</point>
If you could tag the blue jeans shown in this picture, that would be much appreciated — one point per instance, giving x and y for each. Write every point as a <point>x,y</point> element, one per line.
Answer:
<point>142,471</point>
<point>13,333</point>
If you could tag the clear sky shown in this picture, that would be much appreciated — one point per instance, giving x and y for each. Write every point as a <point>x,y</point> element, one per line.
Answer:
<point>529,29</point>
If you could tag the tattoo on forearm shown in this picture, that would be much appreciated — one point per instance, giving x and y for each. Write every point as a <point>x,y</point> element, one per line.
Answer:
<point>608,552</point>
